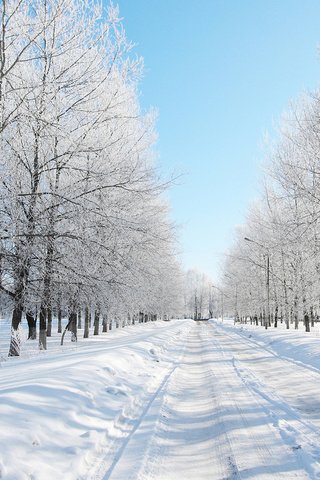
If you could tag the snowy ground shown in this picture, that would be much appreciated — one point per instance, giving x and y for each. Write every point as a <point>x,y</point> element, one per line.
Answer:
<point>165,401</point>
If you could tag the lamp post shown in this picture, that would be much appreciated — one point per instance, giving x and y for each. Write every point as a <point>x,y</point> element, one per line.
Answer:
<point>221,292</point>
<point>267,277</point>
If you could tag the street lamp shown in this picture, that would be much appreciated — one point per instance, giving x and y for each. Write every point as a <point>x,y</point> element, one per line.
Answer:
<point>221,292</point>
<point>267,277</point>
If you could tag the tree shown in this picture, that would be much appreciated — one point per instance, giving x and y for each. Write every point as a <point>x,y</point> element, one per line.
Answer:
<point>83,219</point>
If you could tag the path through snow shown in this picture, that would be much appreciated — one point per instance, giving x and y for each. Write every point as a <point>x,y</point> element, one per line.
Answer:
<point>165,401</point>
<point>211,421</point>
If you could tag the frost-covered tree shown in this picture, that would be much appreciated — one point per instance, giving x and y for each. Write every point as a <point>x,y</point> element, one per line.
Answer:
<point>83,224</point>
<point>285,226</point>
<point>198,295</point>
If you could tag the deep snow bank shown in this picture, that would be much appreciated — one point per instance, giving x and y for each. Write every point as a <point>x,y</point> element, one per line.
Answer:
<point>297,345</point>
<point>60,410</point>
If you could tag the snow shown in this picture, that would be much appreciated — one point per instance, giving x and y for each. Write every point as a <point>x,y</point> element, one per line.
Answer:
<point>164,401</point>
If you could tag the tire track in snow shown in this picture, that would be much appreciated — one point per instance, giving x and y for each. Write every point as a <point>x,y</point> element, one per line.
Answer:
<point>190,440</point>
<point>243,442</point>
<point>204,423</point>
<point>248,339</point>
<point>137,425</point>
<point>277,410</point>
<point>298,434</point>
<point>129,421</point>
<point>265,390</point>
<point>269,394</point>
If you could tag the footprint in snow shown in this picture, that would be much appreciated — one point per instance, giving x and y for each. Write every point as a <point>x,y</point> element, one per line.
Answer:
<point>116,391</point>
<point>71,450</point>
<point>154,353</point>
<point>110,370</point>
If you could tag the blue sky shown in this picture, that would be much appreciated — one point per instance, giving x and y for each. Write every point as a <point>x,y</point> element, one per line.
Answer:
<point>220,73</point>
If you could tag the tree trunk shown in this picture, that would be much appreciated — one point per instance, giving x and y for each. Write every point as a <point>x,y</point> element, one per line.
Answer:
<point>32,326</point>
<point>59,318</point>
<point>276,317</point>
<point>307,321</point>
<point>296,318</point>
<point>104,323</point>
<point>312,316</point>
<point>79,318</point>
<point>285,291</point>
<point>49,325</point>
<point>22,273</point>
<point>96,321</point>
<point>73,325</point>
<point>66,328</point>
<point>14,349</point>
<point>86,322</point>
<point>43,328</point>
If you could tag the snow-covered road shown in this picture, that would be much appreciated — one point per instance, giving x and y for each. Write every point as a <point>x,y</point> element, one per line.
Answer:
<point>165,401</point>
<point>214,421</point>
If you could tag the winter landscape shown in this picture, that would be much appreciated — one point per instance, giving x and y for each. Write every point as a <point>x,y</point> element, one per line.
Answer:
<point>159,285</point>
<point>165,400</point>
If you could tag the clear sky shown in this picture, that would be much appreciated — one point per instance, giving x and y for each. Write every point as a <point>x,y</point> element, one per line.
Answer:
<point>220,72</point>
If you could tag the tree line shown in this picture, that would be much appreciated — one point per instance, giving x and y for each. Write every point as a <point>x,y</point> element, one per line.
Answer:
<point>271,273</point>
<point>84,225</point>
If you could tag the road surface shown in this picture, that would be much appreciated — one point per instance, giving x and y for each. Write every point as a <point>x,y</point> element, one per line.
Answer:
<point>226,409</point>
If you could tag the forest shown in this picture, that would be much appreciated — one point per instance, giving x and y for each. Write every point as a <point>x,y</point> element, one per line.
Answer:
<point>84,223</point>
<point>271,273</point>
<point>85,226</point>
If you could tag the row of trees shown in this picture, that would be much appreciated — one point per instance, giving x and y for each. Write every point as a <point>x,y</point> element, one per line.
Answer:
<point>200,299</point>
<point>272,271</point>
<point>83,223</point>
